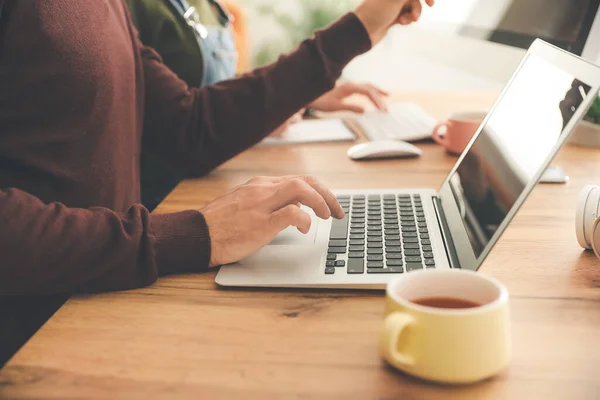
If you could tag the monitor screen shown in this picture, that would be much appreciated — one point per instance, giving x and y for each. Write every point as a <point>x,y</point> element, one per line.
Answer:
<point>519,135</point>
<point>564,23</point>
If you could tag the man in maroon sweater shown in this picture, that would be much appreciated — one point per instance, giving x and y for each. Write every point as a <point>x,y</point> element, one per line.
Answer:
<point>77,92</point>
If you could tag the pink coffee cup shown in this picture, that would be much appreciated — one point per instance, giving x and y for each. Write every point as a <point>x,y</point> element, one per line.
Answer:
<point>455,133</point>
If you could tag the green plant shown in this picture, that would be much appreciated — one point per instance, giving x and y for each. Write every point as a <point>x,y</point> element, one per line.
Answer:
<point>593,114</point>
<point>313,15</point>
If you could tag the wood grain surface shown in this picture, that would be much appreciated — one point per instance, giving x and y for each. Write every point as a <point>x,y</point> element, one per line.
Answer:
<point>185,338</point>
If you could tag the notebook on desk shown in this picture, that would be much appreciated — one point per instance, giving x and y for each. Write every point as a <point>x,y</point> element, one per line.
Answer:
<point>312,131</point>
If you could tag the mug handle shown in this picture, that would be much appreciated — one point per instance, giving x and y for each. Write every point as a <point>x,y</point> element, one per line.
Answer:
<point>440,139</point>
<point>393,326</point>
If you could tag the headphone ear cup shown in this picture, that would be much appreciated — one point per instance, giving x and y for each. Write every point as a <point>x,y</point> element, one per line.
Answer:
<point>596,237</point>
<point>587,205</point>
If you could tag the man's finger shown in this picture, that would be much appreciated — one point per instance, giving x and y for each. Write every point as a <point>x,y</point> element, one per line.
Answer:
<point>296,190</point>
<point>291,215</point>
<point>330,199</point>
<point>430,3</point>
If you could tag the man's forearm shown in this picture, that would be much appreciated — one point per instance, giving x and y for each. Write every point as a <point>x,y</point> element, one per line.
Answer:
<point>50,248</point>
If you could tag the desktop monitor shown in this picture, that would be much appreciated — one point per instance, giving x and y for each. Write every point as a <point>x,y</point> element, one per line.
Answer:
<point>489,38</point>
<point>477,44</point>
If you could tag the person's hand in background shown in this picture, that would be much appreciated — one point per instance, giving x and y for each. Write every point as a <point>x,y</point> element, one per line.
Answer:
<point>334,100</point>
<point>379,15</point>
<point>249,216</point>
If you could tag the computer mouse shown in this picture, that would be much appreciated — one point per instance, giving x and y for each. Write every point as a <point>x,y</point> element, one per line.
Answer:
<point>383,149</point>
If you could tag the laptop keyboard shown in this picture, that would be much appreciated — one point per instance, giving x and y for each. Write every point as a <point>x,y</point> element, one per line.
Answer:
<point>379,234</point>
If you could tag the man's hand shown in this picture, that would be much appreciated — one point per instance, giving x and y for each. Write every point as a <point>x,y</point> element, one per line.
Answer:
<point>334,99</point>
<point>379,15</point>
<point>249,216</point>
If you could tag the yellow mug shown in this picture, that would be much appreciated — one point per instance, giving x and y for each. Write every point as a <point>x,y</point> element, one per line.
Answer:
<point>424,333</point>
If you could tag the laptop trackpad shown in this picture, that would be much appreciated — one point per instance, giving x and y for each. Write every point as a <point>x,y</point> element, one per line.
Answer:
<point>292,235</point>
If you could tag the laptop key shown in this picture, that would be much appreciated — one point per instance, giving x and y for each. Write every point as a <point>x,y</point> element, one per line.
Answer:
<point>428,255</point>
<point>410,240</point>
<point>412,252</point>
<point>357,242</point>
<point>375,264</point>
<point>430,262</point>
<point>390,243</point>
<point>413,266</point>
<point>356,248</point>
<point>394,263</point>
<point>392,232</point>
<point>339,228</point>
<point>337,243</point>
<point>392,237</point>
<point>423,230</point>
<point>424,235</point>
<point>426,241</point>
<point>356,266</point>
<point>413,259</point>
<point>421,219</point>
<point>331,257</point>
<point>394,256</point>
<point>340,263</point>
<point>336,250</point>
<point>374,257</point>
<point>393,249</point>
<point>374,251</point>
<point>356,255</point>
<point>389,270</point>
<point>330,264</point>
<point>330,270</point>
<point>357,236</point>
<point>411,246</point>
<point>409,234</point>
<point>374,239</point>
<point>374,233</point>
<point>409,229</point>
<point>427,248</point>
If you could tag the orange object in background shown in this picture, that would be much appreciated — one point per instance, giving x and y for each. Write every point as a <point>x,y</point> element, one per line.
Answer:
<point>240,33</point>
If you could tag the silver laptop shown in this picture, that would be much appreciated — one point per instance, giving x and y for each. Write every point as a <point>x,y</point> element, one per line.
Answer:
<point>387,233</point>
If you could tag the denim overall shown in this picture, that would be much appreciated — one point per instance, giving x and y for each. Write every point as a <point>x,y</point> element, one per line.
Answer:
<point>219,60</point>
<point>216,43</point>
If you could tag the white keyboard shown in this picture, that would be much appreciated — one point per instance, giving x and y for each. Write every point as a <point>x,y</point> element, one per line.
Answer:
<point>403,121</point>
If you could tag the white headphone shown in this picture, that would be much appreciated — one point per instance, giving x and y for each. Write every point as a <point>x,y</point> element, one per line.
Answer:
<point>587,218</point>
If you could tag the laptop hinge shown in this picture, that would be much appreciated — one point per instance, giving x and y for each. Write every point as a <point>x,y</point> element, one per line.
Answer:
<point>446,235</point>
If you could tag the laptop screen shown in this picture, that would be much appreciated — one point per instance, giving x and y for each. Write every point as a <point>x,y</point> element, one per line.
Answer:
<point>517,138</point>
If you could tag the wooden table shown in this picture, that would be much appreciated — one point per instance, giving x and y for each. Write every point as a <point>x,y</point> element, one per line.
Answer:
<point>184,337</point>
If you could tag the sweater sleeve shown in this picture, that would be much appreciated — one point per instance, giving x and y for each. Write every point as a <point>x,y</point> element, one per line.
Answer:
<point>49,248</point>
<point>197,129</point>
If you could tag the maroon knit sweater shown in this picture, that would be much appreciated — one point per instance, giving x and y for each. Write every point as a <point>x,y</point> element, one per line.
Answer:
<point>77,92</point>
